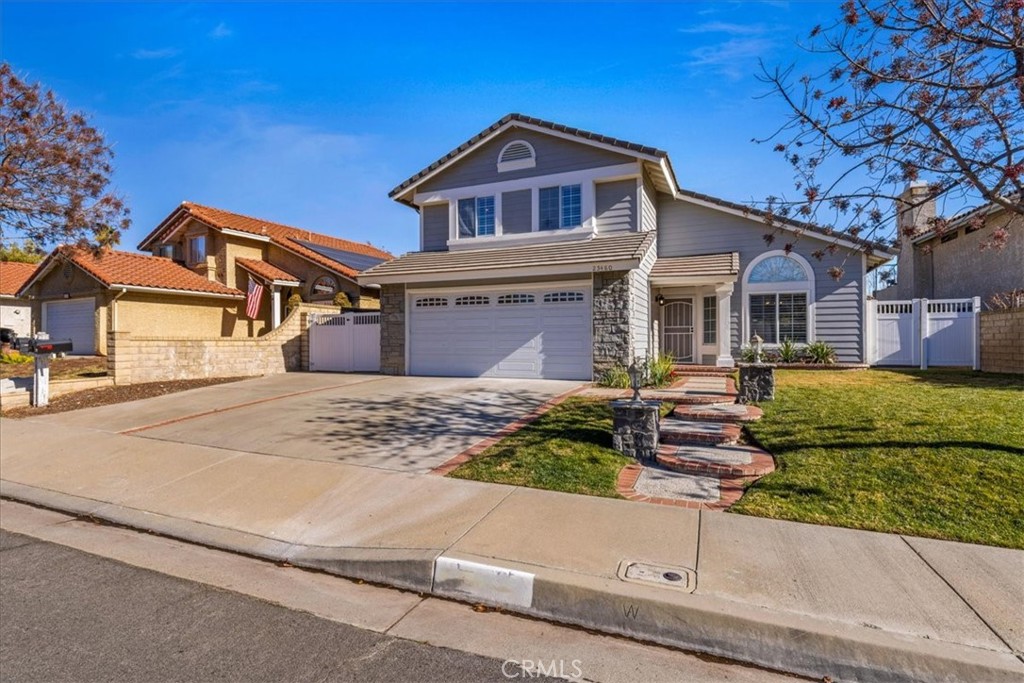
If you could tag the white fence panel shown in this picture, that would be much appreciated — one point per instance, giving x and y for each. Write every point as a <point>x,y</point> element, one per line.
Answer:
<point>923,333</point>
<point>349,342</point>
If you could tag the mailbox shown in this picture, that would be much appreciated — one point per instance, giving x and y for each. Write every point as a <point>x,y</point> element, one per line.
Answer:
<point>46,346</point>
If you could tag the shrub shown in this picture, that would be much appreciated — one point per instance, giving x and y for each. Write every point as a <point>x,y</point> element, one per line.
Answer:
<point>659,371</point>
<point>616,378</point>
<point>789,352</point>
<point>15,358</point>
<point>1005,300</point>
<point>821,353</point>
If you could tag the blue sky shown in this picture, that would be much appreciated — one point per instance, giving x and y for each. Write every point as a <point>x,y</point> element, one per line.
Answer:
<point>309,113</point>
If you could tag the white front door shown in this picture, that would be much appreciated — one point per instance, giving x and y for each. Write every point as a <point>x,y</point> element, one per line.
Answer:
<point>527,332</point>
<point>74,319</point>
<point>677,330</point>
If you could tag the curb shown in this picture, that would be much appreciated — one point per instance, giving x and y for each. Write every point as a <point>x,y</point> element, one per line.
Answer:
<point>782,641</point>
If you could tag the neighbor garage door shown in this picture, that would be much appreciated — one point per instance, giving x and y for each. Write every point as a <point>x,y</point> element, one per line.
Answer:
<point>531,333</point>
<point>74,319</point>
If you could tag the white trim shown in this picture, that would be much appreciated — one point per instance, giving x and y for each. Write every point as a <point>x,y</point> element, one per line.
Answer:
<point>183,292</point>
<point>517,164</point>
<point>512,271</point>
<point>240,233</point>
<point>521,287</point>
<point>792,228</point>
<point>777,288</point>
<point>864,353</point>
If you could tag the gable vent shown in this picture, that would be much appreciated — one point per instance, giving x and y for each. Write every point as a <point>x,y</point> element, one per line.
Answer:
<point>516,155</point>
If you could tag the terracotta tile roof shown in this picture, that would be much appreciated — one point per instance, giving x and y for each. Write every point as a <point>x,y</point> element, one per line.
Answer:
<point>267,271</point>
<point>124,269</point>
<point>14,275</point>
<point>285,236</point>
<point>581,253</point>
<point>550,125</point>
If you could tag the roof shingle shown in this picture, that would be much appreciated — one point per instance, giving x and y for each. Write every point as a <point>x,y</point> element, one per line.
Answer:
<point>14,275</point>
<point>266,270</point>
<point>704,265</point>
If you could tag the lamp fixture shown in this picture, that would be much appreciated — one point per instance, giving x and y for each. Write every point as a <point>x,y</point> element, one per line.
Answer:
<point>660,299</point>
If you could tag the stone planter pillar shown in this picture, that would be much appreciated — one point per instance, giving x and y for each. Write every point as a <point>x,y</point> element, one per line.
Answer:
<point>635,428</point>
<point>757,382</point>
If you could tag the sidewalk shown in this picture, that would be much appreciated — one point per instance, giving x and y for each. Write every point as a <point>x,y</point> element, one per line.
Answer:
<point>818,601</point>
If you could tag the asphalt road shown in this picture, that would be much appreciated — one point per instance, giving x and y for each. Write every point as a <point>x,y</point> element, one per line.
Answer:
<point>66,615</point>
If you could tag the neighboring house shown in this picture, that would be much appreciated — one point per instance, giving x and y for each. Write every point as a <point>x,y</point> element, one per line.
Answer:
<point>196,282</point>
<point>548,251</point>
<point>960,260</point>
<point>15,312</point>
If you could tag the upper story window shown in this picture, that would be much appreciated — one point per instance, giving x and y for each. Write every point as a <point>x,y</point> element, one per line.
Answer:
<point>197,249</point>
<point>516,155</point>
<point>476,216</point>
<point>560,207</point>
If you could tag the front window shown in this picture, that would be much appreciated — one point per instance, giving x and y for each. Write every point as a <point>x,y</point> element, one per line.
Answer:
<point>197,249</point>
<point>476,216</point>
<point>560,207</point>
<point>710,319</point>
<point>779,289</point>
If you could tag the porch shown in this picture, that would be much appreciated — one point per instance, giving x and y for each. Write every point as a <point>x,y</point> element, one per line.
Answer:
<point>691,309</point>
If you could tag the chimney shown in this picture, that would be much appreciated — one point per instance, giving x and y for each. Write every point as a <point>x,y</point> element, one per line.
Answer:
<point>914,209</point>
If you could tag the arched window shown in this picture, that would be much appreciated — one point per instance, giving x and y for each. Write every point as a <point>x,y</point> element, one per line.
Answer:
<point>778,298</point>
<point>516,155</point>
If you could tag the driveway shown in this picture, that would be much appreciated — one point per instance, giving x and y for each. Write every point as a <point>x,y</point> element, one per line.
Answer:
<point>409,424</point>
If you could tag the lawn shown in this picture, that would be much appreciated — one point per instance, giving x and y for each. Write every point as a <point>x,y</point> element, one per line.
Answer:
<point>569,449</point>
<point>71,367</point>
<point>935,453</point>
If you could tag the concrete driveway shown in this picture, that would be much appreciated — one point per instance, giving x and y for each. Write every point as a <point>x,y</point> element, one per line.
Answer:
<point>409,424</point>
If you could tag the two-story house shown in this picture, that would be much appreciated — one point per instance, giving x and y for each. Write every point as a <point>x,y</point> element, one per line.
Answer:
<point>551,252</point>
<point>195,280</point>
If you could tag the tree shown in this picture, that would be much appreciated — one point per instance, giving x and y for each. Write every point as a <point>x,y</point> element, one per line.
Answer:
<point>915,90</point>
<point>26,252</point>
<point>54,171</point>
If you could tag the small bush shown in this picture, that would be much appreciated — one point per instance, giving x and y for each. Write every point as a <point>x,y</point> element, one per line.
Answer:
<point>15,358</point>
<point>789,352</point>
<point>821,353</point>
<point>294,300</point>
<point>615,378</point>
<point>659,371</point>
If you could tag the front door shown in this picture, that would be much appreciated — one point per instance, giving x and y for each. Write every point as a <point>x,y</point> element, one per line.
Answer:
<point>677,330</point>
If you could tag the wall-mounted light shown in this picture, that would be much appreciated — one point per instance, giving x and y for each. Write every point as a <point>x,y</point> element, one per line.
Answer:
<point>660,299</point>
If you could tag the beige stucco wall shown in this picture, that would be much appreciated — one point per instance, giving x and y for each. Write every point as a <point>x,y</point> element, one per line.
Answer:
<point>161,315</point>
<point>1002,341</point>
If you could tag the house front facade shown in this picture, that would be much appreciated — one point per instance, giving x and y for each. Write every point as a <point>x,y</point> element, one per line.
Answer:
<point>551,252</point>
<point>15,312</point>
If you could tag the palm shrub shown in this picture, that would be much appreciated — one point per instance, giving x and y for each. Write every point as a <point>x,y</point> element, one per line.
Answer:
<point>659,371</point>
<point>789,352</point>
<point>822,353</point>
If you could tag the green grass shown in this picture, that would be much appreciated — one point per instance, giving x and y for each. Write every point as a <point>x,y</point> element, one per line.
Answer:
<point>569,449</point>
<point>935,453</point>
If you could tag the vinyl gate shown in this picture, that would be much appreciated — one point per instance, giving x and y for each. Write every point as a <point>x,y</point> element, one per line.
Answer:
<point>923,332</point>
<point>348,342</point>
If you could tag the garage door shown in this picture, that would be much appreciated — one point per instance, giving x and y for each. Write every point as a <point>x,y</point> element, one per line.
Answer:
<point>73,319</point>
<point>523,333</point>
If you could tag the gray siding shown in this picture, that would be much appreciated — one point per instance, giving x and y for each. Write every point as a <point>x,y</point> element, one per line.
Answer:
<point>686,229</point>
<point>648,206</point>
<point>640,305</point>
<point>516,210</point>
<point>554,155</point>
<point>435,227</point>
<point>615,205</point>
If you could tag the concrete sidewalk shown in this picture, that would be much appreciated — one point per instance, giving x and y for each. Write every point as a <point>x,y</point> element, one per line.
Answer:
<point>813,600</point>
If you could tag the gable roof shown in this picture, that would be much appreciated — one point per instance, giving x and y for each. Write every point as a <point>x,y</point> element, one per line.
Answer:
<point>323,250</point>
<point>664,177</point>
<point>963,218</point>
<point>121,269</point>
<point>626,250</point>
<point>14,275</point>
<point>879,252</point>
<point>268,271</point>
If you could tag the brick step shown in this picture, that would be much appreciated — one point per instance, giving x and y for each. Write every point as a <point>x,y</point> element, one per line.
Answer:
<point>726,462</point>
<point>718,412</point>
<point>689,397</point>
<point>675,430</point>
<point>701,371</point>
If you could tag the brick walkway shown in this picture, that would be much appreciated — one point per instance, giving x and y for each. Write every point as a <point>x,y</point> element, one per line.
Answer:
<point>700,463</point>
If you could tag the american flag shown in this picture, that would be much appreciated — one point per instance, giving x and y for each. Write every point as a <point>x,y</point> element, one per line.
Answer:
<point>252,300</point>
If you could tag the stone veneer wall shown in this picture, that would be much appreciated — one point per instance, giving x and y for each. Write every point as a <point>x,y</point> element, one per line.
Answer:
<point>133,360</point>
<point>1002,341</point>
<point>611,321</point>
<point>392,329</point>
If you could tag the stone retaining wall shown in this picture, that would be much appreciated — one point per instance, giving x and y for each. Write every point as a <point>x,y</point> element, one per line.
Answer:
<point>612,342</point>
<point>392,329</point>
<point>133,360</point>
<point>1002,341</point>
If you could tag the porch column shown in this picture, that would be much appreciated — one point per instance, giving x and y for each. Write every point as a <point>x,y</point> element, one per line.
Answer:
<point>724,296</point>
<point>275,307</point>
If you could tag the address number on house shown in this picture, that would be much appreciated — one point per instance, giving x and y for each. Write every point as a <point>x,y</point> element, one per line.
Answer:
<point>603,268</point>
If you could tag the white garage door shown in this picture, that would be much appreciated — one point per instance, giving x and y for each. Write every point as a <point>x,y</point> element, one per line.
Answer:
<point>529,333</point>
<point>73,319</point>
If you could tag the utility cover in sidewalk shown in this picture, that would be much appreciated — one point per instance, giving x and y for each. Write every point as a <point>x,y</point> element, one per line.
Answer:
<point>670,577</point>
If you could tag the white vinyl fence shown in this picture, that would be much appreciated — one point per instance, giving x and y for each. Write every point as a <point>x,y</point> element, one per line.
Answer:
<point>923,332</point>
<point>347,342</point>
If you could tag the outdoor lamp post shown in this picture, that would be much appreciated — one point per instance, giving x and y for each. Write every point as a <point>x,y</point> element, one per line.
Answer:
<point>636,378</point>
<point>757,342</point>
